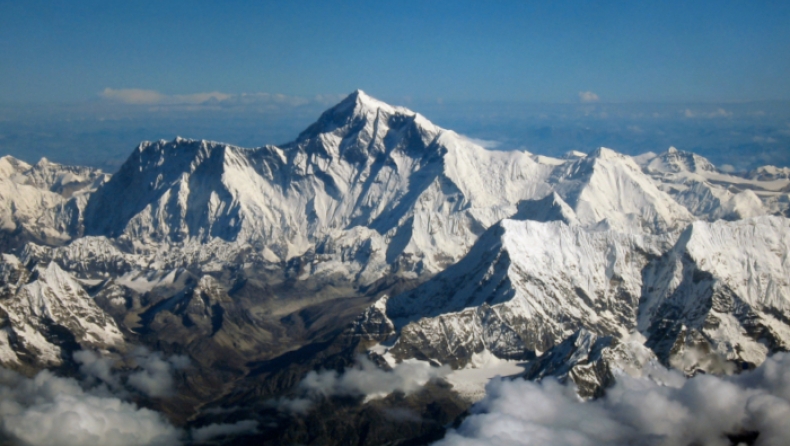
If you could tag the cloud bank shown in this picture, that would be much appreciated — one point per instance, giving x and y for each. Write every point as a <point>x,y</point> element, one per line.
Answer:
<point>49,410</point>
<point>700,410</point>
<point>364,379</point>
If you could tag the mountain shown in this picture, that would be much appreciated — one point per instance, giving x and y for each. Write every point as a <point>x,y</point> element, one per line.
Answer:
<point>46,314</point>
<point>424,191</point>
<point>711,194</point>
<point>524,287</point>
<point>769,173</point>
<point>44,202</point>
<point>710,294</point>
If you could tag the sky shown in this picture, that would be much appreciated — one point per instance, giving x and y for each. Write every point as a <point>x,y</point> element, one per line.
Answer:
<point>455,50</point>
<point>85,81</point>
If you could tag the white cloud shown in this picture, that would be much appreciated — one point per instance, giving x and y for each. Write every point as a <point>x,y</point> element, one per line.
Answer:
<point>139,96</point>
<point>49,410</point>
<point>152,374</point>
<point>97,369</point>
<point>367,379</point>
<point>134,96</point>
<point>728,168</point>
<point>588,96</point>
<point>364,379</point>
<point>699,410</point>
<point>211,431</point>
<point>155,377</point>
<point>718,113</point>
<point>484,143</point>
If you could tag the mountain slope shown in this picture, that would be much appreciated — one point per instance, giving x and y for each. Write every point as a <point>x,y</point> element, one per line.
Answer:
<point>716,290</point>
<point>49,313</point>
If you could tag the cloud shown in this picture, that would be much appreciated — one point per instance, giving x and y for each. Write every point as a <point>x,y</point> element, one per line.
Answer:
<point>155,377</point>
<point>147,97</point>
<point>588,96</point>
<point>364,379</point>
<point>134,96</point>
<point>484,143</point>
<point>152,374</point>
<point>699,410</point>
<point>49,410</point>
<point>211,431</point>
<point>727,168</point>
<point>718,113</point>
<point>97,369</point>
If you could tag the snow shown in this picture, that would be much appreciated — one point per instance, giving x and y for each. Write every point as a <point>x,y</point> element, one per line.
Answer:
<point>144,282</point>
<point>529,285</point>
<point>471,380</point>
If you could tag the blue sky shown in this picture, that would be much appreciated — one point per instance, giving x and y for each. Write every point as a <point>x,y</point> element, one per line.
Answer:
<point>530,51</point>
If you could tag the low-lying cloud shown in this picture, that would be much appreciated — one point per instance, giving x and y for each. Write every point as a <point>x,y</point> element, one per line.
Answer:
<point>155,375</point>
<point>203,434</point>
<point>151,374</point>
<point>49,410</point>
<point>364,379</point>
<point>700,410</point>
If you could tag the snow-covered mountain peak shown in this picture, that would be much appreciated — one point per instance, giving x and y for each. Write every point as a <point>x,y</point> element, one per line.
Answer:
<point>363,101</point>
<point>607,188</point>
<point>605,153</point>
<point>357,112</point>
<point>677,161</point>
<point>573,154</point>
<point>769,173</point>
<point>10,166</point>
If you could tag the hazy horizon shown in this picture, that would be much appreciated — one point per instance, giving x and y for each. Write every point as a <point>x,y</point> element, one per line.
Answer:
<point>104,131</point>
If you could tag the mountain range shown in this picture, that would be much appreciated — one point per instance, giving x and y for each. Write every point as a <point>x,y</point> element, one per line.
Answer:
<point>377,233</point>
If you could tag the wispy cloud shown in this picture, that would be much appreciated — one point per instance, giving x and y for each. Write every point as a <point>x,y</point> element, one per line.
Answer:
<point>588,96</point>
<point>718,113</point>
<point>152,374</point>
<point>132,96</point>
<point>203,434</point>
<point>364,379</point>
<point>135,96</point>
<point>485,143</point>
<point>150,97</point>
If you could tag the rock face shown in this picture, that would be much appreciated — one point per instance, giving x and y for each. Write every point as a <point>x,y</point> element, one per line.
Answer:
<point>592,362</point>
